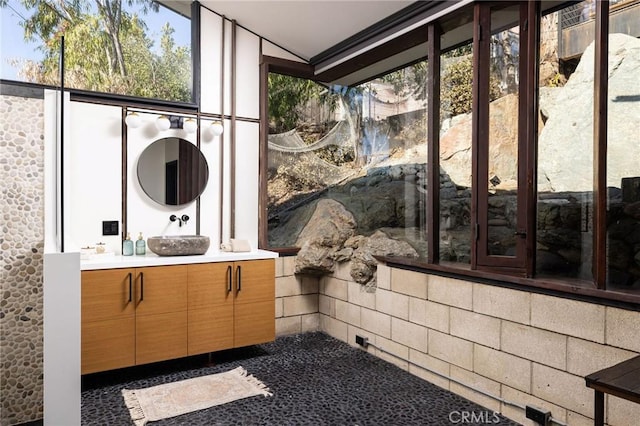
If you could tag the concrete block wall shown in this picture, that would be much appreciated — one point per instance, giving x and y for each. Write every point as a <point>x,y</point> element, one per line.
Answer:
<point>524,347</point>
<point>296,300</point>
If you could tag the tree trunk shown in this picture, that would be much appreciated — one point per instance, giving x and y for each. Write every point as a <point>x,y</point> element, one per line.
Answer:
<point>111,11</point>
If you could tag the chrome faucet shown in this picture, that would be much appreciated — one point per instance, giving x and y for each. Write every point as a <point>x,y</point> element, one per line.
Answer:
<point>180,220</point>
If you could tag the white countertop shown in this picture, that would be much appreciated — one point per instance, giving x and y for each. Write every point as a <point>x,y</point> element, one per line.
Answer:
<point>151,259</point>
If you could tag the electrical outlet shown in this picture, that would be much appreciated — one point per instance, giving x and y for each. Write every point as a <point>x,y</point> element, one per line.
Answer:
<point>362,341</point>
<point>539,415</point>
<point>110,227</point>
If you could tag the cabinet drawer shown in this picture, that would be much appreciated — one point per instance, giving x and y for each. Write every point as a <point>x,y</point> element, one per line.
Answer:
<point>107,294</point>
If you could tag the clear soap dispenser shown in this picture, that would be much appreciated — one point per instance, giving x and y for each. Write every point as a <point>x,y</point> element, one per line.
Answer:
<point>127,246</point>
<point>140,245</point>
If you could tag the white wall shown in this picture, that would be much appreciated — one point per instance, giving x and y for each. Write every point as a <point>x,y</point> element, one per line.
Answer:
<point>62,386</point>
<point>247,74</point>
<point>247,190</point>
<point>94,142</point>
<point>211,36</point>
<point>92,174</point>
<point>210,198</point>
<point>143,214</point>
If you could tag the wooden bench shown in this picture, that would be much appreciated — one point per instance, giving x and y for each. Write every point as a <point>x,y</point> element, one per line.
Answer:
<point>621,380</point>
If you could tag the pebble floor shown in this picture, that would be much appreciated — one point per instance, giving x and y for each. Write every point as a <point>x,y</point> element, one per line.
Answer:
<point>315,380</point>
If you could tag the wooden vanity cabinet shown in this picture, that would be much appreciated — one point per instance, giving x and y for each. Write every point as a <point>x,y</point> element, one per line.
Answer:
<point>137,316</point>
<point>161,313</point>
<point>231,304</point>
<point>254,304</point>
<point>210,313</point>
<point>108,322</point>
<point>133,316</point>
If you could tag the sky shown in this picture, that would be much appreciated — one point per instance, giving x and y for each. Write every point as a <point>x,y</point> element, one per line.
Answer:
<point>12,44</point>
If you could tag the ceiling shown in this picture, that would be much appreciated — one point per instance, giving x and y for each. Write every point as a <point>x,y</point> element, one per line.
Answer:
<point>305,28</point>
<point>338,36</point>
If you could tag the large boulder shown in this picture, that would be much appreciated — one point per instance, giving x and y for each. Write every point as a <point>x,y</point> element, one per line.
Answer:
<point>363,263</point>
<point>455,144</point>
<point>565,146</point>
<point>323,236</point>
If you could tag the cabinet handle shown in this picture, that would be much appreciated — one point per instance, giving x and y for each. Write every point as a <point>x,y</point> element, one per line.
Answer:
<point>229,279</point>
<point>130,293</point>
<point>239,278</point>
<point>141,286</point>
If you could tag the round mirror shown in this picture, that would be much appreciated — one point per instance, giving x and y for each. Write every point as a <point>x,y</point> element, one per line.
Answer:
<point>172,171</point>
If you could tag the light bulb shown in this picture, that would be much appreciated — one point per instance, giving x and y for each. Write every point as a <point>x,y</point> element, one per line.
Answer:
<point>216,128</point>
<point>163,123</point>
<point>189,125</point>
<point>133,120</point>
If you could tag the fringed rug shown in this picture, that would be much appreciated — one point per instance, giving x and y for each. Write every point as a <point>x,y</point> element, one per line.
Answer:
<point>173,399</point>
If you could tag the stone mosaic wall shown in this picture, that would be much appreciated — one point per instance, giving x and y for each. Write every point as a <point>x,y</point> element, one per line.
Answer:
<point>21,248</point>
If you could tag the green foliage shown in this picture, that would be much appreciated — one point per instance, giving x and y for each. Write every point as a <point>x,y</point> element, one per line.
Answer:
<point>288,97</point>
<point>411,80</point>
<point>456,95</point>
<point>106,49</point>
<point>558,80</point>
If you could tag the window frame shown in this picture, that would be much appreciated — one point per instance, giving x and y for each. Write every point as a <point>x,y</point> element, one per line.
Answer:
<point>270,64</point>
<point>138,101</point>
<point>521,278</point>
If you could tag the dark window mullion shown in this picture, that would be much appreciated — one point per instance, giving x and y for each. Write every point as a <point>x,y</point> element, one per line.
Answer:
<point>480,133</point>
<point>600,94</point>
<point>433,143</point>
<point>531,57</point>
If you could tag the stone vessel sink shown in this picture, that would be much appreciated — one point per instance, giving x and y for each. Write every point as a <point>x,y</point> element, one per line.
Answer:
<point>178,245</point>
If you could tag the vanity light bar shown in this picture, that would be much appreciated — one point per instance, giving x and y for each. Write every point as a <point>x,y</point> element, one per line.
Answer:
<point>168,120</point>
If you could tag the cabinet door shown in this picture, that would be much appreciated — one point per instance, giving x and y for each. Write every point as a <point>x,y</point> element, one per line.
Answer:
<point>107,294</point>
<point>161,289</point>
<point>210,302</point>
<point>108,344</point>
<point>161,337</point>
<point>108,320</point>
<point>255,281</point>
<point>254,310</point>
<point>161,313</point>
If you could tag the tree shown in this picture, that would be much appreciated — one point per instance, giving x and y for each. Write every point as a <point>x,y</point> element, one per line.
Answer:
<point>456,96</point>
<point>288,97</point>
<point>411,80</point>
<point>107,49</point>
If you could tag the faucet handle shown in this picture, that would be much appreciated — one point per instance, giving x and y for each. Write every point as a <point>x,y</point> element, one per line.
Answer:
<point>185,218</point>
<point>173,218</point>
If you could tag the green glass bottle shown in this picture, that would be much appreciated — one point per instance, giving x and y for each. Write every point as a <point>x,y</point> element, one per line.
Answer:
<point>141,246</point>
<point>127,246</point>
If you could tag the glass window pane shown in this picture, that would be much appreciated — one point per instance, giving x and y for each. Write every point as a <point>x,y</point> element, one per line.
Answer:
<point>139,49</point>
<point>456,75</point>
<point>363,147</point>
<point>565,145</point>
<point>311,147</point>
<point>503,131</point>
<point>623,149</point>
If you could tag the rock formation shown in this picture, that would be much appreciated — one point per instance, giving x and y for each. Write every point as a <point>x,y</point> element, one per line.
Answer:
<point>327,230</point>
<point>565,145</point>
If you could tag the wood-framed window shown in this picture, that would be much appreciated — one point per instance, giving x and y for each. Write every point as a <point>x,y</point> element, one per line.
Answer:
<point>540,200</point>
